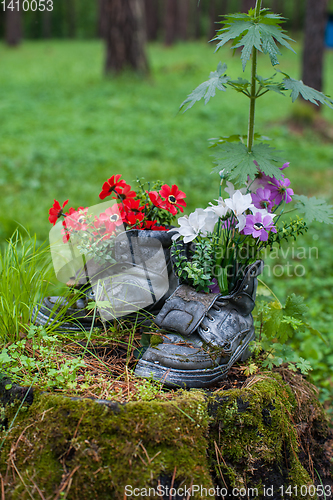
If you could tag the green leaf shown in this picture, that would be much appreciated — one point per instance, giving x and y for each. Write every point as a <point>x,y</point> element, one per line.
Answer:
<point>250,40</point>
<point>236,138</point>
<point>297,88</point>
<point>269,84</point>
<point>270,33</point>
<point>273,316</point>
<point>295,306</point>
<point>251,32</point>
<point>206,90</point>
<point>236,160</point>
<point>304,366</point>
<point>314,209</point>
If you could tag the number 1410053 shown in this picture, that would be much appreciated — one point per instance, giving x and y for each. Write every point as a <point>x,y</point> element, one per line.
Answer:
<point>26,5</point>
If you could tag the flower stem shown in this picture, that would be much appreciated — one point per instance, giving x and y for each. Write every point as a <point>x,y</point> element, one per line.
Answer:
<point>250,134</point>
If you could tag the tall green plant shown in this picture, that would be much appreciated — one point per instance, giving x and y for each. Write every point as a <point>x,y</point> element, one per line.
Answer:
<point>241,156</point>
<point>25,274</point>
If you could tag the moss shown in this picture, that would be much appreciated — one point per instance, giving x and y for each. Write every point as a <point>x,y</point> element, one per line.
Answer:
<point>268,433</point>
<point>253,436</point>
<point>155,340</point>
<point>96,451</point>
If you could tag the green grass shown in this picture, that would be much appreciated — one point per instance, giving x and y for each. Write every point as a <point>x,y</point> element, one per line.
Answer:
<point>65,129</point>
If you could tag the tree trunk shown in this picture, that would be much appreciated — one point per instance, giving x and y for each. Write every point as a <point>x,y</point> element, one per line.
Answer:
<point>170,21</point>
<point>102,24</point>
<point>277,6</point>
<point>125,36</point>
<point>223,9</point>
<point>152,18</point>
<point>13,26</point>
<point>71,16</point>
<point>247,5</point>
<point>313,52</point>
<point>217,8</point>
<point>212,19</point>
<point>183,14</point>
<point>46,24</point>
<point>197,19</point>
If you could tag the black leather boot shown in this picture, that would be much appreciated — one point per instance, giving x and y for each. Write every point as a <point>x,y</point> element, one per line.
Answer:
<point>141,280</point>
<point>213,332</point>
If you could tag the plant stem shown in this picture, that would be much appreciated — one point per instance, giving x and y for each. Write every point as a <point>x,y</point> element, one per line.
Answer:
<point>250,134</point>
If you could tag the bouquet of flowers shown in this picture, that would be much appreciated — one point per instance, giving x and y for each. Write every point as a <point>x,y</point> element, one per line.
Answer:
<point>147,209</point>
<point>228,236</point>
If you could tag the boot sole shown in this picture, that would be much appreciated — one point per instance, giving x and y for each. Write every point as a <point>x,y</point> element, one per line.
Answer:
<point>187,379</point>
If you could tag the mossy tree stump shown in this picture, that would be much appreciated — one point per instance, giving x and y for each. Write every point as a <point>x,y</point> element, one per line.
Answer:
<point>270,433</point>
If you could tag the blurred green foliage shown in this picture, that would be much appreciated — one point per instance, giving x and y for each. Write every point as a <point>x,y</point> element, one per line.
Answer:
<point>65,129</point>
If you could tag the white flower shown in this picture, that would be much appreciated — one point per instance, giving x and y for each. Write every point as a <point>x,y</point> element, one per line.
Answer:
<point>238,203</point>
<point>198,222</point>
<point>231,189</point>
<point>210,221</point>
<point>220,209</point>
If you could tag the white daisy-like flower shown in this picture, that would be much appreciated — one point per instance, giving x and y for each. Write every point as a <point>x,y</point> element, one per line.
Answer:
<point>239,203</point>
<point>220,209</point>
<point>198,222</point>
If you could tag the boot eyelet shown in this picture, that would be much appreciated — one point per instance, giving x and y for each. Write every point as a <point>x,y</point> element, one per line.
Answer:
<point>205,328</point>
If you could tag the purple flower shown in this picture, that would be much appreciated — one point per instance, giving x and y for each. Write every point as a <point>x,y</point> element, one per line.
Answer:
<point>262,198</point>
<point>214,288</point>
<point>285,165</point>
<point>259,225</point>
<point>280,190</point>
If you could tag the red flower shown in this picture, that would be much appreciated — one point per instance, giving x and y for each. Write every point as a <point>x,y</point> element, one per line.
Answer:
<point>131,211</point>
<point>173,198</point>
<point>156,199</point>
<point>111,218</point>
<point>125,193</point>
<point>150,224</point>
<point>56,211</point>
<point>66,236</point>
<point>76,219</point>
<point>112,184</point>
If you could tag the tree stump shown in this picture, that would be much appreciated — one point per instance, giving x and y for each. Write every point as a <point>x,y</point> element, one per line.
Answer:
<point>253,441</point>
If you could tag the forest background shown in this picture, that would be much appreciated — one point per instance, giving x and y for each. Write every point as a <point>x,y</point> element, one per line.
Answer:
<point>66,126</point>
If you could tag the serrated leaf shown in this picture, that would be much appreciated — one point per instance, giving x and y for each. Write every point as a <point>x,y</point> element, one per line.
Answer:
<point>270,33</point>
<point>297,88</point>
<point>235,138</point>
<point>273,316</point>
<point>251,32</point>
<point>295,306</point>
<point>206,90</point>
<point>304,366</point>
<point>236,29</point>
<point>314,209</point>
<point>236,160</point>
<point>250,40</point>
